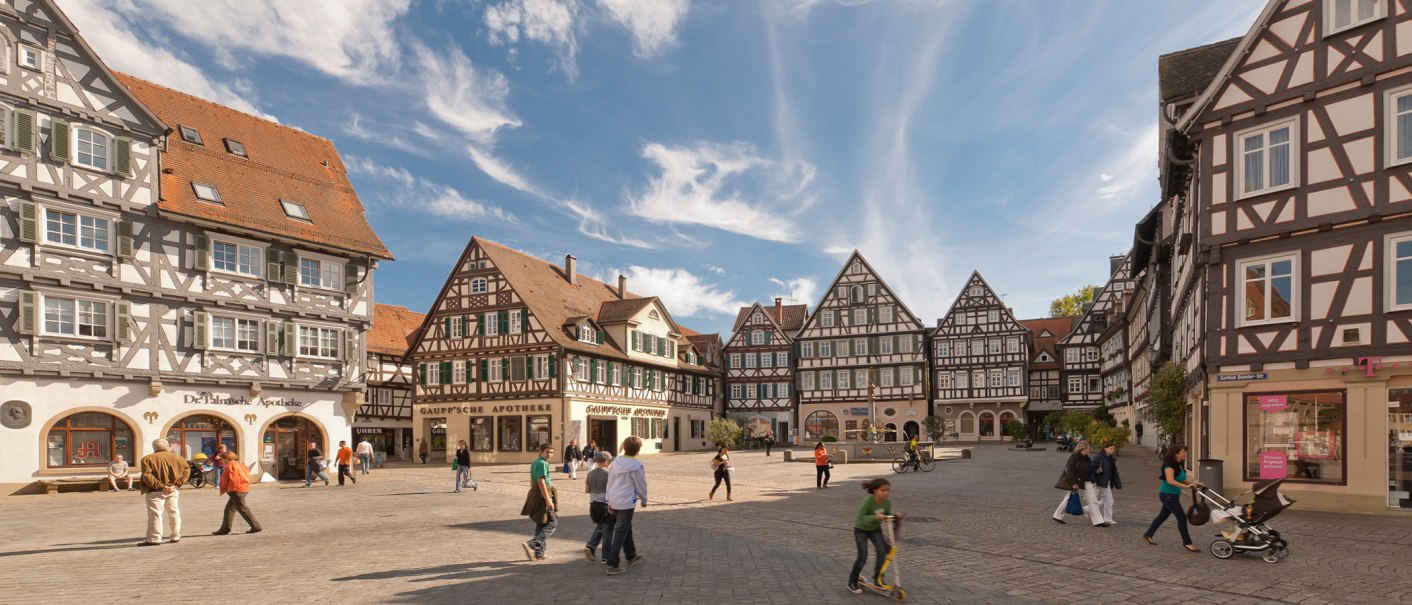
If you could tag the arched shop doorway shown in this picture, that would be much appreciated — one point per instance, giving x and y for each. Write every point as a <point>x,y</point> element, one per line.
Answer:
<point>286,443</point>
<point>199,434</point>
<point>820,424</point>
<point>912,429</point>
<point>987,425</point>
<point>1006,417</point>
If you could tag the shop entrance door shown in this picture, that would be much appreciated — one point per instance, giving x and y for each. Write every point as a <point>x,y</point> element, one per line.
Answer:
<point>1399,449</point>
<point>782,436</point>
<point>286,446</point>
<point>676,433</point>
<point>605,432</point>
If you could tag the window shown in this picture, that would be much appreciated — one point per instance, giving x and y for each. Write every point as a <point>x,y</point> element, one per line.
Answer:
<point>885,314</point>
<point>757,337</point>
<point>317,273</point>
<point>860,317</point>
<point>1267,289</point>
<point>431,374</point>
<point>1076,384</point>
<point>736,391</point>
<point>826,319</point>
<point>318,342</point>
<point>458,372</point>
<point>517,368</point>
<point>943,380</point>
<point>1090,354</point>
<point>77,230</point>
<point>541,366</point>
<point>767,360</point>
<point>490,323</point>
<point>480,433</point>
<point>860,378</point>
<point>856,294</point>
<point>1266,160</point>
<point>236,147</point>
<point>30,57</point>
<point>1071,355</point>
<point>806,381</point>
<point>235,334</point>
<point>1399,107</point>
<point>860,346</point>
<point>826,348</point>
<point>885,377</point>
<point>752,391</point>
<point>781,359</point>
<point>906,342</point>
<point>89,439</point>
<point>1399,264</point>
<point>235,258</point>
<point>806,349</point>
<point>1298,436</point>
<point>996,379</point>
<point>1014,379</point>
<point>749,360</point>
<point>75,317</point>
<point>91,148</point>
<point>190,135</point>
<point>905,376</point>
<point>977,291</point>
<point>943,348</point>
<point>1345,14</point>
<point>206,193</point>
<point>885,345</point>
<point>507,432</point>
<point>295,210</point>
<point>1012,345</point>
<point>993,316</point>
<point>977,347</point>
<point>495,369</point>
<point>841,348</point>
<point>820,424</point>
<point>963,380</point>
<point>734,360</point>
<point>616,375</point>
<point>993,345</point>
<point>844,377</point>
<point>478,285</point>
<point>602,373</point>
<point>1093,385</point>
<point>826,380</point>
<point>782,390</point>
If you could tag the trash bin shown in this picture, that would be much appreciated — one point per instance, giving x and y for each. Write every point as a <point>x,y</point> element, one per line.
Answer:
<point>1212,472</point>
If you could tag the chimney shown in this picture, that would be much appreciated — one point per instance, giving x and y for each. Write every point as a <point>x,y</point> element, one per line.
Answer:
<point>1114,262</point>
<point>571,269</point>
<point>622,287</point>
<point>779,310</point>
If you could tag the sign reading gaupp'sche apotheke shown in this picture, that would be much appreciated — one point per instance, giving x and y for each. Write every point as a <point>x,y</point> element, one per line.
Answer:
<point>622,410</point>
<point>483,409</point>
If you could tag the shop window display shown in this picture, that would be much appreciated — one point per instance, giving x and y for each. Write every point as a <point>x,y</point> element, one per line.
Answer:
<point>1399,448</point>
<point>480,434</point>
<point>821,424</point>
<point>1295,436</point>
<point>537,433</point>
<point>88,439</point>
<point>508,433</point>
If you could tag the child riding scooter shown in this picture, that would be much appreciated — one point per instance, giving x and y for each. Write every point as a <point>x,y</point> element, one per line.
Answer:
<point>876,523</point>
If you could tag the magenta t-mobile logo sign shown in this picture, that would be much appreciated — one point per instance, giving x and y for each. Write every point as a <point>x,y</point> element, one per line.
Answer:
<point>1370,364</point>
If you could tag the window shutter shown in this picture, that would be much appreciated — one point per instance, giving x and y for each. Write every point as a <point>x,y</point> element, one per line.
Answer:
<point>465,325</point>
<point>553,368</point>
<point>122,156</point>
<point>671,348</point>
<point>350,279</point>
<point>29,222</point>
<point>484,369</point>
<point>24,131</point>
<point>480,325</point>
<point>122,314</point>
<point>873,345</point>
<point>504,369</point>
<point>598,336</point>
<point>446,327</point>
<point>202,261</point>
<point>524,322</point>
<point>504,318</point>
<point>350,344</point>
<point>198,331</point>
<point>445,372</point>
<point>768,336</point>
<point>529,367</point>
<point>635,340</point>
<point>27,312</point>
<point>872,315</point>
<point>289,268</point>
<point>273,260</point>
<point>291,339</point>
<point>271,337</point>
<point>59,140</point>
<point>593,371</point>
<point>125,240</point>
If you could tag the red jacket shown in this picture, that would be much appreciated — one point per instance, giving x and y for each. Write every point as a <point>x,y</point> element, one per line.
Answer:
<point>236,478</point>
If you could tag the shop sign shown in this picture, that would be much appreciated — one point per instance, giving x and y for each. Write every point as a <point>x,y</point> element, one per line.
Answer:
<point>1274,403</point>
<point>368,431</point>
<point>1240,377</point>
<point>208,398</point>
<point>483,409</point>
<point>619,410</point>
<point>1274,464</point>
<point>855,411</point>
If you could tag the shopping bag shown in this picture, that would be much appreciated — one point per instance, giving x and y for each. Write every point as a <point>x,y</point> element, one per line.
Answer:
<point>566,468</point>
<point>1075,506</point>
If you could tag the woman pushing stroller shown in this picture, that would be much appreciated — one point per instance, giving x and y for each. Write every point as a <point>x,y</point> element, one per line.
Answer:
<point>1170,494</point>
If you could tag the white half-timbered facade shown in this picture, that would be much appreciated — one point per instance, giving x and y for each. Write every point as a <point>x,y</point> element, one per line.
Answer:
<point>1045,393</point>
<point>861,343</point>
<point>1080,352</point>
<point>759,370</point>
<point>979,360</point>
<point>385,418</point>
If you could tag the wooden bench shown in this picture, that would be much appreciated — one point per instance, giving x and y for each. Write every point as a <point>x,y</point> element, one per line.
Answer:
<point>51,486</point>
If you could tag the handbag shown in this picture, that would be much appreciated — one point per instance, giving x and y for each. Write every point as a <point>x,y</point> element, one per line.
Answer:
<point>566,468</point>
<point>455,464</point>
<point>1075,506</point>
<point>1199,512</point>
<point>598,511</point>
<point>1064,483</point>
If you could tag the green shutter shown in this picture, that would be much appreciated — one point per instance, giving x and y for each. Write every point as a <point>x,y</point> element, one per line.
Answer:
<point>445,368</point>
<point>289,269</point>
<point>29,222</point>
<point>59,135</point>
<point>529,367</point>
<point>28,318</point>
<point>271,337</point>
<point>484,369</point>
<point>125,240</point>
<point>633,335</point>
<point>504,368</point>
<point>273,260</point>
<point>524,320</point>
<point>593,371</point>
<point>480,325</point>
<point>872,315</point>
<point>503,318</point>
<point>199,329</point>
<point>122,156</point>
<point>350,279</point>
<point>446,327</point>
<point>553,368</point>
<point>24,131</point>
<point>202,260</point>
<point>122,315</point>
<point>598,336</point>
<point>465,325</point>
<point>422,374</point>
<point>768,336</point>
<point>291,339</point>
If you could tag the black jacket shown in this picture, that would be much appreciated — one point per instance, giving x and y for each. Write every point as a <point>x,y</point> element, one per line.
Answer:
<point>1077,467</point>
<point>1104,470</point>
<point>572,454</point>
<point>463,457</point>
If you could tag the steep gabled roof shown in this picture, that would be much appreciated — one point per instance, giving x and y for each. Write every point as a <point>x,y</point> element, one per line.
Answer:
<point>281,163</point>
<point>614,311</point>
<point>1187,73</point>
<point>882,284</point>
<point>1243,46</point>
<point>790,321</point>
<point>1058,327</point>
<point>977,279</point>
<point>394,329</point>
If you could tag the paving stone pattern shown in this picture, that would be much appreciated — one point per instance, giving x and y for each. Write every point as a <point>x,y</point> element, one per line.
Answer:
<point>982,534</point>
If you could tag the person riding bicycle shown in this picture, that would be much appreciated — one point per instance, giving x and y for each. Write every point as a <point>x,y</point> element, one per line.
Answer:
<point>912,457</point>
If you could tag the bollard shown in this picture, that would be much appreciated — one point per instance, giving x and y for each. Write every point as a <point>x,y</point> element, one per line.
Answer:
<point>788,455</point>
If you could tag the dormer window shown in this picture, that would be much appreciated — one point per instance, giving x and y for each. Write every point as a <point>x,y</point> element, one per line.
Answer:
<point>30,57</point>
<point>206,193</point>
<point>295,210</point>
<point>190,135</point>
<point>236,147</point>
<point>589,335</point>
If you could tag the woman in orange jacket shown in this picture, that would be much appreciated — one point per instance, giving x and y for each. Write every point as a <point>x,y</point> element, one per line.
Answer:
<point>235,483</point>
<point>821,466</point>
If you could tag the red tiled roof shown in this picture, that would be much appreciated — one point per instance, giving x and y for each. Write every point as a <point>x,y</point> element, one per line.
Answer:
<point>394,329</point>
<point>1058,327</point>
<point>792,320</point>
<point>282,163</point>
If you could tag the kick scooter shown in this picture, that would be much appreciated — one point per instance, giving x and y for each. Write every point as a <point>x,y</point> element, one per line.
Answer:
<point>879,585</point>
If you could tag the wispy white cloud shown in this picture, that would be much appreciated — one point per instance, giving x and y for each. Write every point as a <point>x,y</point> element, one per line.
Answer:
<point>591,224</point>
<point>684,294</point>
<point>801,8</point>
<point>502,171</point>
<point>798,290</point>
<point>652,23</point>
<point>465,97</point>
<point>411,191</point>
<point>390,137</point>
<point>727,187</point>
<point>548,22</point>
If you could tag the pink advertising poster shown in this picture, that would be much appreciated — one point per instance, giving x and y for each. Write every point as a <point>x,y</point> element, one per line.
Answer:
<point>1274,403</point>
<point>1273,465</point>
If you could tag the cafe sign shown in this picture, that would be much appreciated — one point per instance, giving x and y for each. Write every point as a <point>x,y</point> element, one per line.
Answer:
<point>208,398</point>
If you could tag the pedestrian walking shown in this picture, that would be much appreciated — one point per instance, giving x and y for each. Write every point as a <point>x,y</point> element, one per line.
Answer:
<point>424,450</point>
<point>1104,470</point>
<point>590,453</point>
<point>163,474</point>
<point>235,483</point>
<point>385,452</point>
<point>596,484</point>
<point>1173,476</point>
<point>769,442</point>
<point>1076,469</point>
<point>314,466</point>
<point>822,464</point>
<point>365,455</point>
<point>540,505</point>
<point>572,456</point>
<point>118,471</point>
<point>462,465</point>
<point>218,463</point>
<point>721,469</point>
<point>627,488</point>
<point>867,528</point>
<point>345,463</point>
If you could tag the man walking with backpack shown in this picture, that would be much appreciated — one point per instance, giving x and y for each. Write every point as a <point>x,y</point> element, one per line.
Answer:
<point>627,486</point>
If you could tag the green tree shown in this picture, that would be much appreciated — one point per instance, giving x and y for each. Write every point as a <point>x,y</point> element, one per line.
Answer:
<point>724,431</point>
<point>1167,401</point>
<point>1104,417</point>
<point>1070,305</point>
<point>1074,422</point>
<point>934,426</point>
<point>1104,435</point>
<point>1016,430</point>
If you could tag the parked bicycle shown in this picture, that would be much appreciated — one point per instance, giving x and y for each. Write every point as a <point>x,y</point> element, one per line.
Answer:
<point>924,462</point>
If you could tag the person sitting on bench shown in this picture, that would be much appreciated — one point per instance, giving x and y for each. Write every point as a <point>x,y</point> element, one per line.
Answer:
<point>117,470</point>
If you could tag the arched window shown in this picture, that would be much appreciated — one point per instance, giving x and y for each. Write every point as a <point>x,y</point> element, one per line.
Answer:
<point>987,424</point>
<point>890,434</point>
<point>478,285</point>
<point>968,423</point>
<point>856,294</point>
<point>1006,417</point>
<point>821,424</point>
<point>913,429</point>
<point>199,434</point>
<point>88,439</point>
<point>92,148</point>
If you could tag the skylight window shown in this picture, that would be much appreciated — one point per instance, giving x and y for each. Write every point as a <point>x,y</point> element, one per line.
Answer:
<point>190,135</point>
<point>206,192</point>
<point>295,210</point>
<point>236,147</point>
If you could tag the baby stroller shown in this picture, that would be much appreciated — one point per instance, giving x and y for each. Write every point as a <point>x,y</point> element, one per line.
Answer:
<point>1251,535</point>
<point>200,473</point>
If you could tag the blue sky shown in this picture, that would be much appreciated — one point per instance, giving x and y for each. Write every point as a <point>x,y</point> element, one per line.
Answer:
<point>717,152</point>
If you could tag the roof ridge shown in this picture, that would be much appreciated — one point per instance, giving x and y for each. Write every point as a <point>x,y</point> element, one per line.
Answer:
<point>331,183</point>
<point>1195,49</point>
<point>123,74</point>
<point>560,268</point>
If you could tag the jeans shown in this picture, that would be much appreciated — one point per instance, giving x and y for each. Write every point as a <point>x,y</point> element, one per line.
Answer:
<point>862,538</point>
<point>216,472</point>
<point>235,503</point>
<point>462,474</point>
<point>541,534</point>
<point>363,461</point>
<point>381,459</point>
<point>602,534</point>
<point>345,471</point>
<point>621,541</point>
<point>1171,507</point>
<point>821,475</point>
<point>312,470</point>
<point>160,502</point>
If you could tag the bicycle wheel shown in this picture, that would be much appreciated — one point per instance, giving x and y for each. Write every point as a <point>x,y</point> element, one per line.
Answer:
<point>899,464</point>
<point>198,481</point>
<point>928,463</point>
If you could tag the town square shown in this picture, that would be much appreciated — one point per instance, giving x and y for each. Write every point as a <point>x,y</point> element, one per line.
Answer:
<point>686,301</point>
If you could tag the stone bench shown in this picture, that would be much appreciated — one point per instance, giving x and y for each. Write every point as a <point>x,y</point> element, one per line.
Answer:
<point>951,453</point>
<point>51,486</point>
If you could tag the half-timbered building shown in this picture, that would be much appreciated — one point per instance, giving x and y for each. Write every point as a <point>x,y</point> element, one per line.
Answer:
<point>1080,363</point>
<point>1299,175</point>
<point>1044,391</point>
<point>1113,358</point>
<point>385,418</point>
<point>861,360</point>
<point>979,363</point>
<point>759,374</point>
<point>209,286</point>
<point>517,351</point>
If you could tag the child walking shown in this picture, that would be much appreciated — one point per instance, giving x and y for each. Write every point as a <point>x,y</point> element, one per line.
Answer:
<point>597,488</point>
<point>867,527</point>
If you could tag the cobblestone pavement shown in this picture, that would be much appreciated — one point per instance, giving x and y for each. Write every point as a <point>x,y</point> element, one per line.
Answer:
<point>979,533</point>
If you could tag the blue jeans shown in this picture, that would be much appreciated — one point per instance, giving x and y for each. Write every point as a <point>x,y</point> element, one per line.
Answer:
<point>1171,507</point>
<point>216,473</point>
<point>602,534</point>
<point>311,470</point>
<point>541,535</point>
<point>862,538</point>
<point>462,474</point>
<point>363,461</point>
<point>621,538</point>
